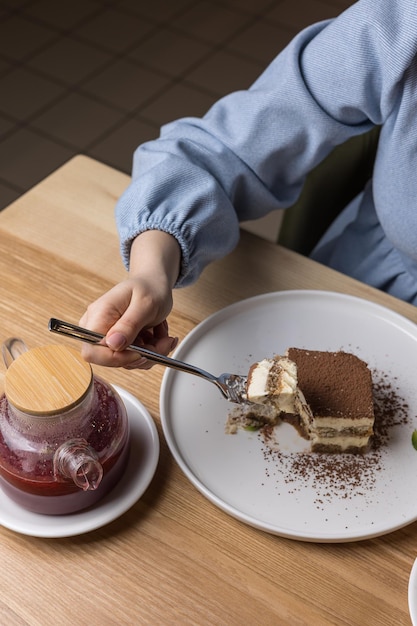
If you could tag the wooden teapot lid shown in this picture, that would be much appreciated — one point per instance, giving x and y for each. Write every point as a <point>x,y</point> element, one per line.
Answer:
<point>47,380</point>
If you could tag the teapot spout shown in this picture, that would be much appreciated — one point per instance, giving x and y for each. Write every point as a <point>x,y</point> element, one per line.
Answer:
<point>77,460</point>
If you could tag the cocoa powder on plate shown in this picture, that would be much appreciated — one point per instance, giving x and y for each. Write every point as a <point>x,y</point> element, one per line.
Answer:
<point>341,475</point>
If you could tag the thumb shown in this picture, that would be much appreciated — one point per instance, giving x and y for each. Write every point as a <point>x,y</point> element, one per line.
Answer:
<point>116,340</point>
<point>124,332</point>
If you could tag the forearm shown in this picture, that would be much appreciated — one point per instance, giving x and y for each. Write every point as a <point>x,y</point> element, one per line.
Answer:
<point>252,151</point>
<point>155,253</point>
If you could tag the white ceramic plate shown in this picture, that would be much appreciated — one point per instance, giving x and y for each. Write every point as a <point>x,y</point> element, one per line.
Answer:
<point>412,594</point>
<point>238,473</point>
<point>142,464</point>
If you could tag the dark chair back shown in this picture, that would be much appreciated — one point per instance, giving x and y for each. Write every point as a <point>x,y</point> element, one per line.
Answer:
<point>327,190</point>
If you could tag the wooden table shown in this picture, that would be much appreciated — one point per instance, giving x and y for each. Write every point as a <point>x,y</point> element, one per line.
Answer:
<point>173,558</point>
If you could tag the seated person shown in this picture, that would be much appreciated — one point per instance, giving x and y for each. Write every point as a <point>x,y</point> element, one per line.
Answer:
<point>250,154</point>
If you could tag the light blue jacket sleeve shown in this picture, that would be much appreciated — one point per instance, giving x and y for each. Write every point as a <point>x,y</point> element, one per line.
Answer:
<point>250,153</point>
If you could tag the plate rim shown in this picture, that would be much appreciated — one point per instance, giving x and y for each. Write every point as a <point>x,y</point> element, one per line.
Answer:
<point>412,593</point>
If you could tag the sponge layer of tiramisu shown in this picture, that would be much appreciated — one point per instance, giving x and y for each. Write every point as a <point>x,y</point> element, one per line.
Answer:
<point>273,382</point>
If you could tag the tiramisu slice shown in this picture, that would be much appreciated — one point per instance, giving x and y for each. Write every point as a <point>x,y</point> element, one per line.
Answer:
<point>337,387</point>
<point>327,396</point>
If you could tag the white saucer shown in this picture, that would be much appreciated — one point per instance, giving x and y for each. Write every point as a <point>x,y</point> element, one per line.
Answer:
<point>143,461</point>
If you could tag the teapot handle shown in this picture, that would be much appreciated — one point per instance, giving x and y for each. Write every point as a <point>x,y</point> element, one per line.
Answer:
<point>11,349</point>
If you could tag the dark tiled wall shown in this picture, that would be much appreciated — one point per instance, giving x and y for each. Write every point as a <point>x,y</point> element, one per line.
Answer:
<point>99,77</point>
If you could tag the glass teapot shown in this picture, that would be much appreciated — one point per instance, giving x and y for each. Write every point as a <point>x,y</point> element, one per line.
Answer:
<point>64,432</point>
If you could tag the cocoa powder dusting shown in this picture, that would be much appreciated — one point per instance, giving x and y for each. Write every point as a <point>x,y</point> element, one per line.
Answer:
<point>340,475</point>
<point>334,383</point>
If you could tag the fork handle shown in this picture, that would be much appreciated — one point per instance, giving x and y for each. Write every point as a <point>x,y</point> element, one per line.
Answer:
<point>89,336</point>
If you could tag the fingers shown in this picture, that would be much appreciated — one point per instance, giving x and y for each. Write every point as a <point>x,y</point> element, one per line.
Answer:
<point>130,313</point>
<point>161,330</point>
<point>102,355</point>
<point>116,315</point>
<point>112,315</point>
<point>141,363</point>
<point>116,340</point>
<point>163,346</point>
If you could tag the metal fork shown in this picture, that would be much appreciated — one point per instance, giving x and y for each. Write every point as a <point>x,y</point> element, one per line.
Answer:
<point>232,386</point>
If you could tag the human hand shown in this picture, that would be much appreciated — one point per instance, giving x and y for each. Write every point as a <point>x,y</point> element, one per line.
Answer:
<point>130,313</point>
<point>135,310</point>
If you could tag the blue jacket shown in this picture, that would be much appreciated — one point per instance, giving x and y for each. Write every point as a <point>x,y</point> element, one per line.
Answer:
<point>250,153</point>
